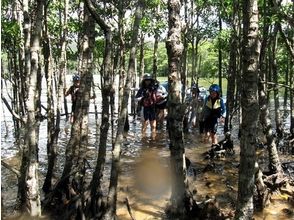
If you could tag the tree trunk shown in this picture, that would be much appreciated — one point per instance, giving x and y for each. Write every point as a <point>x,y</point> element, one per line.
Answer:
<point>63,56</point>
<point>95,185</point>
<point>265,120</point>
<point>83,105</point>
<point>14,59</point>
<point>141,56</point>
<point>116,151</point>
<point>220,54</point>
<point>279,129</point>
<point>33,203</point>
<point>176,110</point>
<point>232,71</point>
<point>51,151</point>
<point>286,92</point>
<point>27,68</point>
<point>155,56</point>
<point>250,110</point>
<point>292,98</point>
<point>77,145</point>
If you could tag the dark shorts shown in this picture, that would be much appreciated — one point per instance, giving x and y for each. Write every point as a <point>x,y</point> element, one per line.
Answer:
<point>201,127</point>
<point>73,107</point>
<point>210,125</point>
<point>149,113</point>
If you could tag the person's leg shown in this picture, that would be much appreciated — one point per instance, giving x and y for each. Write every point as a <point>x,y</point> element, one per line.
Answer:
<point>206,130</point>
<point>152,119</point>
<point>145,120</point>
<point>144,127</point>
<point>153,126</point>
<point>160,118</point>
<point>213,138</point>
<point>213,131</point>
<point>73,107</point>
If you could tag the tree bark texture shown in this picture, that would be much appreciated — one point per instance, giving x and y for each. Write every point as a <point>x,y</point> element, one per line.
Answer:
<point>265,119</point>
<point>25,154</point>
<point>106,72</point>
<point>33,203</point>
<point>250,110</point>
<point>279,129</point>
<point>232,72</point>
<point>292,98</point>
<point>176,108</point>
<point>63,56</point>
<point>116,151</point>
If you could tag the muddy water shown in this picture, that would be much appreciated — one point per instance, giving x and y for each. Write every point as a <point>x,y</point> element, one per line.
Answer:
<point>144,182</point>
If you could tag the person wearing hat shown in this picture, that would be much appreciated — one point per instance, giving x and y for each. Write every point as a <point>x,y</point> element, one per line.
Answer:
<point>73,91</point>
<point>146,96</point>
<point>213,110</point>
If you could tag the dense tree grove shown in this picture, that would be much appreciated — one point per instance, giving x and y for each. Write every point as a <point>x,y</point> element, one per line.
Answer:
<point>245,46</point>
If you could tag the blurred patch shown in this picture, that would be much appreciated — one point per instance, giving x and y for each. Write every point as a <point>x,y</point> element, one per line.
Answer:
<point>152,175</point>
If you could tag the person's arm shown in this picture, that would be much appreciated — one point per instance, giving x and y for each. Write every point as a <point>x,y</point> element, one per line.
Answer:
<point>223,108</point>
<point>67,92</point>
<point>139,95</point>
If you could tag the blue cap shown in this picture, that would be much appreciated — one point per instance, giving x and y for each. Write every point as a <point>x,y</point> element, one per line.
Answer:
<point>76,78</point>
<point>214,88</point>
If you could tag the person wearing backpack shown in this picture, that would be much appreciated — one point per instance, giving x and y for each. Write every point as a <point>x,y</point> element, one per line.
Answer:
<point>73,91</point>
<point>213,110</point>
<point>160,106</point>
<point>146,96</point>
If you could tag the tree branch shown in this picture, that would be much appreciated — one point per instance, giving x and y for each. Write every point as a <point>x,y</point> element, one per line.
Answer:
<point>278,10</point>
<point>287,41</point>
<point>14,114</point>
<point>6,165</point>
<point>97,18</point>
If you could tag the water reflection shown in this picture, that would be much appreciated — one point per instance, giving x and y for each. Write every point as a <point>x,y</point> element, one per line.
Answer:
<point>144,172</point>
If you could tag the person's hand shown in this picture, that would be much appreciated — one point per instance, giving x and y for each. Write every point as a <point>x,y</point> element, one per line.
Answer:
<point>222,119</point>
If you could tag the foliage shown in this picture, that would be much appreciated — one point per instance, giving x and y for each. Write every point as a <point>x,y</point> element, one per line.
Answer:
<point>10,35</point>
<point>209,63</point>
<point>162,59</point>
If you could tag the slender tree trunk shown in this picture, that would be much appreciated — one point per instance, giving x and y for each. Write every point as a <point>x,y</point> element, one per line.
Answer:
<point>51,151</point>
<point>21,64</point>
<point>286,92</point>
<point>155,56</point>
<point>122,54</point>
<point>176,110</point>
<point>106,71</point>
<point>116,151</point>
<point>292,98</point>
<point>265,120</point>
<point>82,107</point>
<point>63,59</point>
<point>33,203</point>
<point>232,71</point>
<point>27,68</point>
<point>141,56</point>
<point>279,129</point>
<point>77,145</point>
<point>220,54</point>
<point>261,189</point>
<point>250,110</point>
<point>13,68</point>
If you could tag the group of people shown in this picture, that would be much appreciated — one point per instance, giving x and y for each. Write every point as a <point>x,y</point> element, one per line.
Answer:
<point>152,99</point>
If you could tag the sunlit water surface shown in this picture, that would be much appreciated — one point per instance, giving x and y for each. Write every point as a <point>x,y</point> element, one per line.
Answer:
<point>144,179</point>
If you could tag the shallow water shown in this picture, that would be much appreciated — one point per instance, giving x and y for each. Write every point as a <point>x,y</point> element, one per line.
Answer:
<point>144,172</point>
